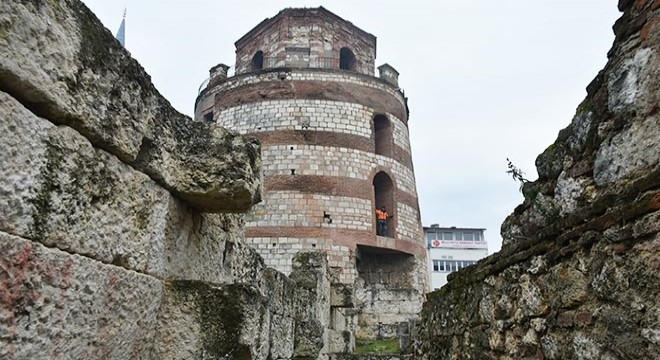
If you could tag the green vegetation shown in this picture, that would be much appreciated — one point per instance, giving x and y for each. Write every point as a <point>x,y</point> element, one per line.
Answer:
<point>220,313</point>
<point>517,174</point>
<point>42,202</point>
<point>383,346</point>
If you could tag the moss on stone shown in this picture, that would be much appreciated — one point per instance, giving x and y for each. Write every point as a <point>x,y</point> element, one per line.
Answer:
<point>78,184</point>
<point>42,206</point>
<point>220,313</point>
<point>380,346</point>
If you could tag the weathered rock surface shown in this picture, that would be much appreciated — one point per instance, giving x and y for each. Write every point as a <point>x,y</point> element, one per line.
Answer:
<point>61,190</point>
<point>108,248</point>
<point>64,306</point>
<point>280,320</point>
<point>63,65</point>
<point>311,278</point>
<point>578,274</point>
<point>57,188</point>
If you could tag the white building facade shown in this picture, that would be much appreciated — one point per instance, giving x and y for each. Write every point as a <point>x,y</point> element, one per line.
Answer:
<point>451,249</point>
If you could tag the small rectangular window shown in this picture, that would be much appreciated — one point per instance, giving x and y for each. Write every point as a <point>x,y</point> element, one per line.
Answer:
<point>468,236</point>
<point>441,265</point>
<point>458,236</point>
<point>477,236</point>
<point>435,265</point>
<point>447,236</point>
<point>430,236</point>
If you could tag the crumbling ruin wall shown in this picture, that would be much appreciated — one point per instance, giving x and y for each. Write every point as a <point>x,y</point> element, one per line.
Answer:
<point>120,228</point>
<point>579,273</point>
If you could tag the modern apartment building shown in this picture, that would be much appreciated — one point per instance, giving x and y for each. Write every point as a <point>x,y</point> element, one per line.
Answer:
<point>451,249</point>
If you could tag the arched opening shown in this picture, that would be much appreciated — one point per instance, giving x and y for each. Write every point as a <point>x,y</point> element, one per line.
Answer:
<point>258,60</point>
<point>384,201</point>
<point>382,135</point>
<point>346,59</point>
<point>208,117</point>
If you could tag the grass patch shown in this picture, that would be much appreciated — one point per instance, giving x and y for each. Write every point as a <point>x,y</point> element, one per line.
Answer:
<point>384,346</point>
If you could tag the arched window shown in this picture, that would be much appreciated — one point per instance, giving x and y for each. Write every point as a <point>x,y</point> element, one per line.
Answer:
<point>384,198</point>
<point>382,135</point>
<point>346,59</point>
<point>258,60</point>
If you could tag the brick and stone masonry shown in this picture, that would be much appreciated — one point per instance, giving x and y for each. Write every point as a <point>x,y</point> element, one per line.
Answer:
<point>335,147</point>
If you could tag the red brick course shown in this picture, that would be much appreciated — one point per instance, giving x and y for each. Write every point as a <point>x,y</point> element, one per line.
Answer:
<point>315,90</point>
<point>327,138</point>
<point>332,185</point>
<point>348,238</point>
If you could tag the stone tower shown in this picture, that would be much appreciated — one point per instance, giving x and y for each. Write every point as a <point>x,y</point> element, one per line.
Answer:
<point>334,148</point>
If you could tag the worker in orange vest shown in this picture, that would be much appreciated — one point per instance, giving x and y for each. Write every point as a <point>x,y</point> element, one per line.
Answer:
<point>382,216</point>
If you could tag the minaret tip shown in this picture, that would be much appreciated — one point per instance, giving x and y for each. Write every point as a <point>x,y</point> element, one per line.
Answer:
<point>121,33</point>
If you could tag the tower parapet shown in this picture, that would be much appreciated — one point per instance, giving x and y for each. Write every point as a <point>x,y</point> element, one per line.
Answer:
<point>307,38</point>
<point>389,74</point>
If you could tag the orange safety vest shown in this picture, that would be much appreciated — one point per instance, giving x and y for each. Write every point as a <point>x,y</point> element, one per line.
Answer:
<point>381,215</point>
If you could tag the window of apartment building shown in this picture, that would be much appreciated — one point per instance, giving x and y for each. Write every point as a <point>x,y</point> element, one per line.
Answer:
<point>447,236</point>
<point>451,265</point>
<point>467,236</point>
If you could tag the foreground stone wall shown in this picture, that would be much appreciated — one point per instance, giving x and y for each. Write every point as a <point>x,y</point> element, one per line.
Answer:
<point>119,236</point>
<point>579,271</point>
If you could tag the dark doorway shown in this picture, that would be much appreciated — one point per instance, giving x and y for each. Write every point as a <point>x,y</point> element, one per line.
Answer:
<point>384,197</point>
<point>382,135</point>
<point>258,60</point>
<point>208,117</point>
<point>346,59</point>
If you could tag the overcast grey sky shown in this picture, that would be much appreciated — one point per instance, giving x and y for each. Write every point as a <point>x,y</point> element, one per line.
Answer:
<point>486,79</point>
